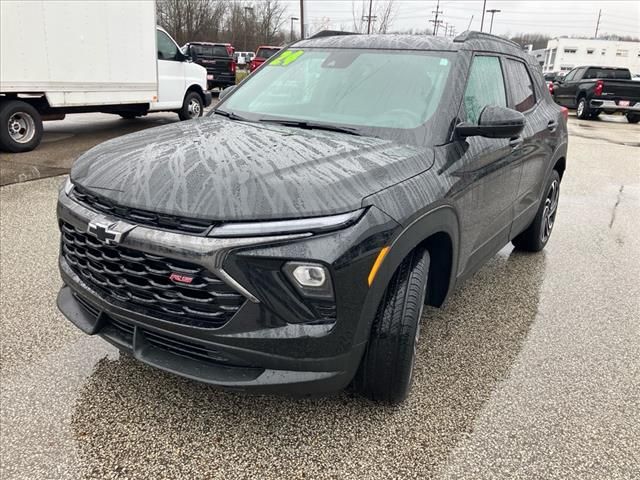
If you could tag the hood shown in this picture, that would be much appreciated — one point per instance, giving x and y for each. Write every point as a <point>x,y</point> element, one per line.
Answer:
<point>218,169</point>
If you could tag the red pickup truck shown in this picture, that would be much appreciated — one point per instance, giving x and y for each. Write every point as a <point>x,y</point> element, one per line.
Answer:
<point>263,54</point>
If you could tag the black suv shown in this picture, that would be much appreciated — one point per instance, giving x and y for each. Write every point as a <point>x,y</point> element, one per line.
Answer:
<point>289,240</point>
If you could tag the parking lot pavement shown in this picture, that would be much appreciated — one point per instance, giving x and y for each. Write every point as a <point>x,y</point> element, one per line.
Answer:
<point>64,140</point>
<point>532,370</point>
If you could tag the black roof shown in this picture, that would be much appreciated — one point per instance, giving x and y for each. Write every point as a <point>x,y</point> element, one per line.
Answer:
<point>474,41</point>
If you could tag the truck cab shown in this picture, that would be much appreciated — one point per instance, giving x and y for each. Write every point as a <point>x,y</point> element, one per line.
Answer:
<point>217,58</point>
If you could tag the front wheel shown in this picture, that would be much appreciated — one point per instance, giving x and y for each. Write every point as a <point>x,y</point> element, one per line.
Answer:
<point>582,111</point>
<point>20,127</point>
<point>192,107</point>
<point>386,370</point>
<point>536,236</point>
<point>633,117</point>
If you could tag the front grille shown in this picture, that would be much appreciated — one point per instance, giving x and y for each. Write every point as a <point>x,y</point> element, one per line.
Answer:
<point>136,216</point>
<point>141,280</point>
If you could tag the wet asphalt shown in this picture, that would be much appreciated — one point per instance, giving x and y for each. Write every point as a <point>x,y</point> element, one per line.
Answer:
<point>531,370</point>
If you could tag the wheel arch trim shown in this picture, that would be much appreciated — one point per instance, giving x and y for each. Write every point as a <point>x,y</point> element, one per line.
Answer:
<point>439,220</point>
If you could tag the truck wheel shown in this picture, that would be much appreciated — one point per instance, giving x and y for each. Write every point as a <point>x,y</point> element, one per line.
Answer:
<point>386,370</point>
<point>20,127</point>
<point>633,117</point>
<point>536,236</point>
<point>582,111</point>
<point>192,107</point>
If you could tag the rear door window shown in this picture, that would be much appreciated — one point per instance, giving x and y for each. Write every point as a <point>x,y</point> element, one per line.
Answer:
<point>485,86</point>
<point>520,85</point>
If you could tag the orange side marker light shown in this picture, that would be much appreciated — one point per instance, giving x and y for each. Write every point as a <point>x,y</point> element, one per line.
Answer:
<point>376,264</point>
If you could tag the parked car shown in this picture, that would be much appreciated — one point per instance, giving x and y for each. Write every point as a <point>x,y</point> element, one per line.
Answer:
<point>217,58</point>
<point>85,68</point>
<point>592,90</point>
<point>263,54</point>
<point>289,243</point>
<point>243,59</point>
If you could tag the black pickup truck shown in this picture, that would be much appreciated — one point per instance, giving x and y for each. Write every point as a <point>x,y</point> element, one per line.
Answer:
<point>217,58</point>
<point>592,90</point>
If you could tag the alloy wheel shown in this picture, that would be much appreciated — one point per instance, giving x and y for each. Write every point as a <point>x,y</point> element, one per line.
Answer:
<point>22,127</point>
<point>549,212</point>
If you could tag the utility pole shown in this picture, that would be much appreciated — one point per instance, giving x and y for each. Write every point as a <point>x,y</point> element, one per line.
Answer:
<point>598,24</point>
<point>492,12</point>
<point>302,19</point>
<point>369,18</point>
<point>484,7</point>
<point>292,20</point>
<point>246,9</point>
<point>436,22</point>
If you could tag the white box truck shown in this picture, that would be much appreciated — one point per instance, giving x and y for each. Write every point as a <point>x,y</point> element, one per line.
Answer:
<point>61,57</point>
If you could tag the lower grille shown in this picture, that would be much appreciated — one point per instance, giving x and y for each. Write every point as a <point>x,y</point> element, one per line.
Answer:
<point>142,283</point>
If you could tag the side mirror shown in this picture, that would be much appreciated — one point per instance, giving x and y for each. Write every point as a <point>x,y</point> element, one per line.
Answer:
<point>494,122</point>
<point>225,93</point>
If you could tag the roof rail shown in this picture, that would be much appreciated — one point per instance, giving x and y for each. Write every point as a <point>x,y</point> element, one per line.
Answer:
<point>331,33</point>
<point>473,35</point>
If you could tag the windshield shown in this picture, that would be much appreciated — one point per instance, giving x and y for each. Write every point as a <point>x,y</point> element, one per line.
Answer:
<point>374,89</point>
<point>267,52</point>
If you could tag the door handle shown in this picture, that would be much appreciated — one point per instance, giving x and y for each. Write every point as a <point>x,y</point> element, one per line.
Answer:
<point>552,125</point>
<point>516,142</point>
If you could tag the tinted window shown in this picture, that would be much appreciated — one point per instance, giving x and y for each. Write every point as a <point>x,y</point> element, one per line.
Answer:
<point>210,50</point>
<point>485,86</point>
<point>167,50</point>
<point>267,52</point>
<point>621,74</point>
<point>521,86</point>
<point>569,76</point>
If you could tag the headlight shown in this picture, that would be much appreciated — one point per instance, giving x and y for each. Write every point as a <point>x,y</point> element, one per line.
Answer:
<point>303,225</point>
<point>311,279</point>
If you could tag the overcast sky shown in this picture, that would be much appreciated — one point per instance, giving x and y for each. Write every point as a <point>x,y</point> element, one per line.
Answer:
<point>554,17</point>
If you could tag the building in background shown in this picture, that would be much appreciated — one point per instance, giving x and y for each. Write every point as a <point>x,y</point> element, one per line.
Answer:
<point>563,54</point>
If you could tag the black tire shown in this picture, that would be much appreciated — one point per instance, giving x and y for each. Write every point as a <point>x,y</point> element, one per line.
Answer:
<point>192,107</point>
<point>20,127</point>
<point>536,236</point>
<point>633,117</point>
<point>386,370</point>
<point>583,112</point>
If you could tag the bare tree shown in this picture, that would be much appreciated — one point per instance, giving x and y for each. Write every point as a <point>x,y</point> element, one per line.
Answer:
<point>244,25</point>
<point>383,12</point>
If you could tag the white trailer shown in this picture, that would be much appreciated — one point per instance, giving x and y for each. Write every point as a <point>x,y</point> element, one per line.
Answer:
<point>60,57</point>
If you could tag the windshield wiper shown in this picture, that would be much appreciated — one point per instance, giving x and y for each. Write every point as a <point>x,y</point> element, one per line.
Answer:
<point>313,126</point>
<point>231,115</point>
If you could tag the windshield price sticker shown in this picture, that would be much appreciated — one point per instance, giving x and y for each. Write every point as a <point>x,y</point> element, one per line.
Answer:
<point>287,57</point>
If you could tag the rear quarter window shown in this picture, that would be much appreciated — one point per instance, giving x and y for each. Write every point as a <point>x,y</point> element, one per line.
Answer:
<point>521,88</point>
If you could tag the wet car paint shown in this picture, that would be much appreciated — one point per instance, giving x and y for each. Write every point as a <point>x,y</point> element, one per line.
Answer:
<point>529,371</point>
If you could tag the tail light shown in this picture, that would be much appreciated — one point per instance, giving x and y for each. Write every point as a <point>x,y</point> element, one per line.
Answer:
<point>565,113</point>
<point>252,67</point>
<point>233,67</point>
<point>599,86</point>
<point>551,88</point>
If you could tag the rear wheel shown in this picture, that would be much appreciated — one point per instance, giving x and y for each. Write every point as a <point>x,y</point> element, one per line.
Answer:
<point>20,127</point>
<point>536,236</point>
<point>582,111</point>
<point>633,117</point>
<point>386,370</point>
<point>192,107</point>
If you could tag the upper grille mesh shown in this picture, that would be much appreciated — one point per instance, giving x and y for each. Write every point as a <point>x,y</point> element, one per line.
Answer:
<point>142,281</point>
<point>137,216</point>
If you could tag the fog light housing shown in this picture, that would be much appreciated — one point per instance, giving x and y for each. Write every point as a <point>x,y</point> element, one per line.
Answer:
<point>310,279</point>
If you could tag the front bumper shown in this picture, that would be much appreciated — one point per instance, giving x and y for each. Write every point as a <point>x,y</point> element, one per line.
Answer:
<point>262,347</point>
<point>613,106</point>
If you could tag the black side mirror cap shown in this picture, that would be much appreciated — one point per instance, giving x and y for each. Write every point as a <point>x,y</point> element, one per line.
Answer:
<point>494,122</point>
